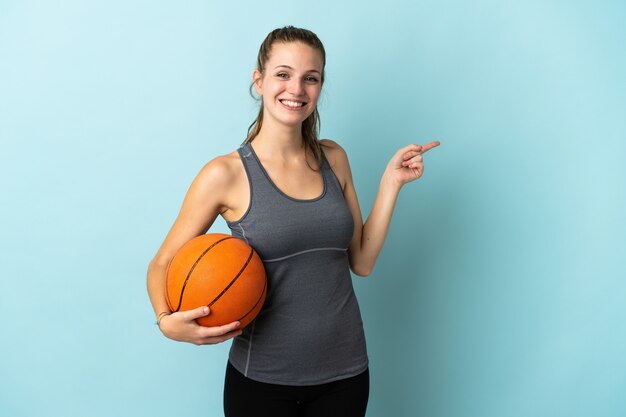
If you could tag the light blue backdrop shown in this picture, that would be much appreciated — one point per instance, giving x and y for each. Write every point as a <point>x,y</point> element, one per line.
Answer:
<point>500,289</point>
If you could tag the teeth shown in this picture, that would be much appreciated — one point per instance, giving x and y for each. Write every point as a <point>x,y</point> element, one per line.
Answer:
<point>292,103</point>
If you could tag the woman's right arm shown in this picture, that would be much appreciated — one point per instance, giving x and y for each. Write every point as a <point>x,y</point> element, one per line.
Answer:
<point>201,205</point>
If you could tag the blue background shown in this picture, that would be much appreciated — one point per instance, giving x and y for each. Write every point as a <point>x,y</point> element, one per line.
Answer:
<point>500,288</point>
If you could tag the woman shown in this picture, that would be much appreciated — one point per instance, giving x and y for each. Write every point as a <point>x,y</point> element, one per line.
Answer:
<point>291,197</point>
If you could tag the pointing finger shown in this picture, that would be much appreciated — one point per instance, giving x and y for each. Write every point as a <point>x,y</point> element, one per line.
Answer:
<point>430,145</point>
<point>412,148</point>
<point>410,154</point>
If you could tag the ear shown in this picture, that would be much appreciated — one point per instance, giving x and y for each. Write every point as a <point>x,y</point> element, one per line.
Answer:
<point>257,79</point>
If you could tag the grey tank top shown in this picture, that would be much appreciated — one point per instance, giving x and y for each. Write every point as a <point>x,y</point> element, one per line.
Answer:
<point>309,330</point>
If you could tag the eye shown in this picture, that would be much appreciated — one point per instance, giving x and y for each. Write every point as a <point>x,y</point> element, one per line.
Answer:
<point>285,75</point>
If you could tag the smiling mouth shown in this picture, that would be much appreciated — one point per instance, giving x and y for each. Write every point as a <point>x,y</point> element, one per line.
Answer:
<point>293,104</point>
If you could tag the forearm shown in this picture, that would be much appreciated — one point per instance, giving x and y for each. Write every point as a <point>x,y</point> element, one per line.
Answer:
<point>377,224</point>
<point>156,287</point>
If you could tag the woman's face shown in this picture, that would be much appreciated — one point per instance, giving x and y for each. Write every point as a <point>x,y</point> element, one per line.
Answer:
<point>291,84</point>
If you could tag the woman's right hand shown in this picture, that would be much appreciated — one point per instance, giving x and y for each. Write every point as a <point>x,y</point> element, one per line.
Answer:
<point>182,326</point>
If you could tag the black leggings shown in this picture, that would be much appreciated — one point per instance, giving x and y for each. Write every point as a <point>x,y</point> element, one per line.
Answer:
<point>244,397</point>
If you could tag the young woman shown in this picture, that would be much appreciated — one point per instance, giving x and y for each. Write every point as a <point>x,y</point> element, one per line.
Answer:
<point>289,195</point>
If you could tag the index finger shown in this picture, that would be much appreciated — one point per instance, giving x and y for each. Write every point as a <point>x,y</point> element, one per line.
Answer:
<point>430,145</point>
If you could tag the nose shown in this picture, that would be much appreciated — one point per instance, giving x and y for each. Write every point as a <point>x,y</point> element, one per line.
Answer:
<point>296,87</point>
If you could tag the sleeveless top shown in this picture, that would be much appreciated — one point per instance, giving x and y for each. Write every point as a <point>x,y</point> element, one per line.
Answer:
<point>309,330</point>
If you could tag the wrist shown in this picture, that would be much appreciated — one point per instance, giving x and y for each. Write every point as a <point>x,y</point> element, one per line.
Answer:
<point>160,317</point>
<point>390,184</point>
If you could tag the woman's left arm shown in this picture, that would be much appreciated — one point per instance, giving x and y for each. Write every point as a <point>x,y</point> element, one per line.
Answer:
<point>367,241</point>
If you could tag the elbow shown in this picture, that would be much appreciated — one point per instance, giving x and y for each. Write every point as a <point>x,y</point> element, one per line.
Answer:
<point>161,261</point>
<point>158,263</point>
<point>360,266</point>
<point>361,271</point>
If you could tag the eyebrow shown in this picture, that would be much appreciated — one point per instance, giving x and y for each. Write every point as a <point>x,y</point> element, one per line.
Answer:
<point>287,66</point>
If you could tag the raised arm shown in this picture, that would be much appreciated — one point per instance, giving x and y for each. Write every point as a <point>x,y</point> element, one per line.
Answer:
<point>368,239</point>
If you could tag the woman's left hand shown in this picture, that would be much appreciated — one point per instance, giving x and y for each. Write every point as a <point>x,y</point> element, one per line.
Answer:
<point>408,164</point>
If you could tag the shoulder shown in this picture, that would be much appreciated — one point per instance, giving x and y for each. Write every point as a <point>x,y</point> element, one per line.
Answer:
<point>218,174</point>
<point>333,150</point>
<point>217,181</point>
<point>338,160</point>
<point>219,169</point>
<point>330,145</point>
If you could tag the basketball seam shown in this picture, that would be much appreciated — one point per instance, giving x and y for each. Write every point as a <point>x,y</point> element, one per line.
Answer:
<point>243,268</point>
<point>182,291</point>
<point>257,302</point>
<point>167,276</point>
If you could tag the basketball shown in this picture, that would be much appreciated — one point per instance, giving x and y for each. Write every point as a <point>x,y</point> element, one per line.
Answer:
<point>220,271</point>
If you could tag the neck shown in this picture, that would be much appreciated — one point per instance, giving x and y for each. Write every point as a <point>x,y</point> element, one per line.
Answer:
<point>281,142</point>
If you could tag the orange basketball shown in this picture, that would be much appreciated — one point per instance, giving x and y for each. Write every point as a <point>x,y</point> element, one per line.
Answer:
<point>220,271</point>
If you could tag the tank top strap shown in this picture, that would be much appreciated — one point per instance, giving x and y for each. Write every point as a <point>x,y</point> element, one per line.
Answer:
<point>253,168</point>
<point>332,182</point>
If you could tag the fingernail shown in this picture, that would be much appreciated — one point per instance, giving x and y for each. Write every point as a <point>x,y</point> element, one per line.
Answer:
<point>238,324</point>
<point>205,310</point>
